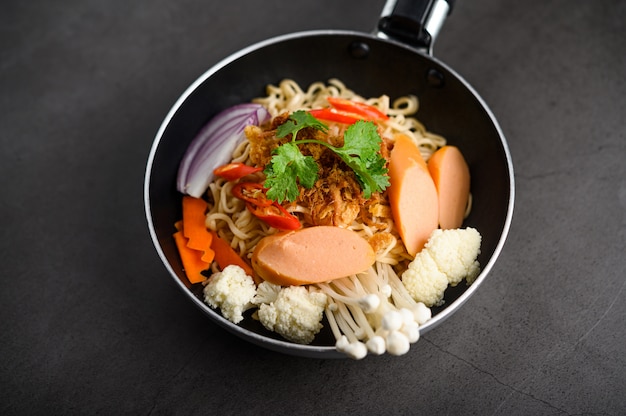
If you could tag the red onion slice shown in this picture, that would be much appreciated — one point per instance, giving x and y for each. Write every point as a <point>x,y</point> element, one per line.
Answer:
<point>213,146</point>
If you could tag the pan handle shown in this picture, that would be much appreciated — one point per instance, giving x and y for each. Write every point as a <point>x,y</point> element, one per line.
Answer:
<point>414,22</point>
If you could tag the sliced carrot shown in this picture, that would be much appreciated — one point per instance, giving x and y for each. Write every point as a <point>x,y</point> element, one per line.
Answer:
<point>451,175</point>
<point>191,259</point>
<point>225,255</point>
<point>311,255</point>
<point>208,255</point>
<point>194,226</point>
<point>412,195</point>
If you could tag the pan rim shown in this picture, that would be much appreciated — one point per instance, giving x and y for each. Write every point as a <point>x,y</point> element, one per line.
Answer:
<point>316,351</point>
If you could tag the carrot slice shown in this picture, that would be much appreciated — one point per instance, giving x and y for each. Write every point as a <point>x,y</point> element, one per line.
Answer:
<point>225,255</point>
<point>194,227</point>
<point>191,259</point>
<point>451,175</point>
<point>412,195</point>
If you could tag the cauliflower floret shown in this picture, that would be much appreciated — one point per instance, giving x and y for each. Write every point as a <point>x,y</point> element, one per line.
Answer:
<point>295,314</point>
<point>424,281</point>
<point>455,252</point>
<point>231,290</point>
<point>266,293</point>
<point>448,257</point>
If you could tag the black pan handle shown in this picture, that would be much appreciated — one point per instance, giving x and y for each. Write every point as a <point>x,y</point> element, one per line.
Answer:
<point>414,22</point>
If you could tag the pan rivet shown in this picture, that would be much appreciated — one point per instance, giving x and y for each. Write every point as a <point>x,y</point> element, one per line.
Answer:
<point>435,78</point>
<point>359,50</point>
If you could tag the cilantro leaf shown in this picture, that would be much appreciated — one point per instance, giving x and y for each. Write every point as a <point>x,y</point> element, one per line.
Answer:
<point>287,168</point>
<point>361,151</point>
<point>297,121</point>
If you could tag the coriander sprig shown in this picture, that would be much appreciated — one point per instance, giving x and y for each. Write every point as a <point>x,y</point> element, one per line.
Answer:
<point>289,167</point>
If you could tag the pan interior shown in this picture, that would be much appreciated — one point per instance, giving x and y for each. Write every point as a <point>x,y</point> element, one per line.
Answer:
<point>371,67</point>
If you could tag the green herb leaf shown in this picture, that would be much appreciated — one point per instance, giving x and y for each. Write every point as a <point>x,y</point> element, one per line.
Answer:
<point>361,151</point>
<point>287,168</point>
<point>297,121</point>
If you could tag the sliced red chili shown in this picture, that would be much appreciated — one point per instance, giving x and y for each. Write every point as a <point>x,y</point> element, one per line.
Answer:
<point>251,193</point>
<point>234,171</point>
<point>332,114</point>
<point>275,215</point>
<point>366,111</point>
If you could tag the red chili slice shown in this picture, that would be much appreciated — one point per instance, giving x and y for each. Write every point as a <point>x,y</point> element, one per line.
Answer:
<point>366,111</point>
<point>332,114</point>
<point>275,216</point>
<point>251,193</point>
<point>234,171</point>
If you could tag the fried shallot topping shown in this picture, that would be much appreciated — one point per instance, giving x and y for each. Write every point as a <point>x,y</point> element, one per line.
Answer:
<point>336,198</point>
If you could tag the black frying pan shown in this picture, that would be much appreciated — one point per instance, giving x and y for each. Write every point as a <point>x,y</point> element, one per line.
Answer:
<point>395,61</point>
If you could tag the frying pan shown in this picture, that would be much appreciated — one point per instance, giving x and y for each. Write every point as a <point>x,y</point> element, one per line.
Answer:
<point>395,59</point>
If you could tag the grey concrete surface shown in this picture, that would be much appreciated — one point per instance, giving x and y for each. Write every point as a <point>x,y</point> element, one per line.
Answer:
<point>91,322</point>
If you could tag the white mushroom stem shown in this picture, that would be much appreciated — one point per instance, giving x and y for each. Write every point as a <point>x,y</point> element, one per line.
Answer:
<point>332,322</point>
<point>350,325</point>
<point>401,297</point>
<point>397,343</point>
<point>371,282</point>
<point>365,301</point>
<point>348,343</point>
<point>365,329</point>
<point>373,311</point>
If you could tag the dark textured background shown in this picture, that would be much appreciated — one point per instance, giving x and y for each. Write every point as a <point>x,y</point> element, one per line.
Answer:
<point>91,323</point>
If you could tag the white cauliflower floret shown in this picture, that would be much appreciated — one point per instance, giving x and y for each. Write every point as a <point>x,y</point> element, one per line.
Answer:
<point>266,293</point>
<point>231,290</point>
<point>295,314</point>
<point>455,252</point>
<point>448,257</point>
<point>424,281</point>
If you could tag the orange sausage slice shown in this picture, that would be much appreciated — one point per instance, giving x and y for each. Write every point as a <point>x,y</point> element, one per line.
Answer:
<point>311,255</point>
<point>412,195</point>
<point>451,175</point>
